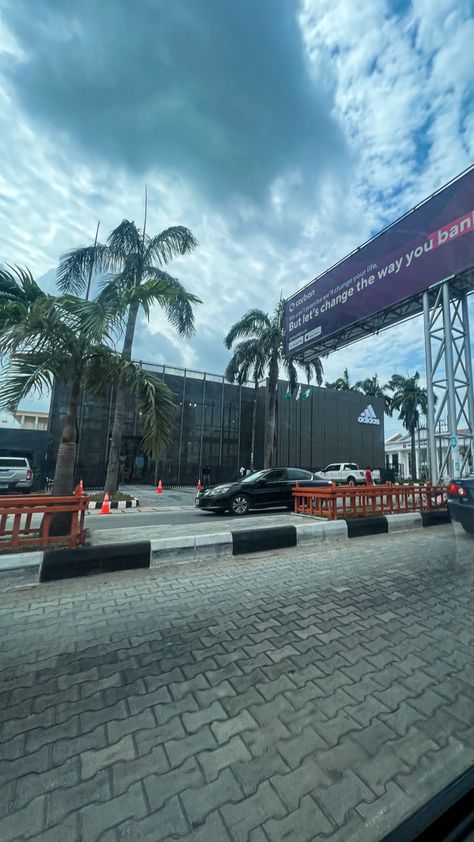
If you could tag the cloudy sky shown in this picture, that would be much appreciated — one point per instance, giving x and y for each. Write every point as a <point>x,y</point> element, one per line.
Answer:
<point>282,133</point>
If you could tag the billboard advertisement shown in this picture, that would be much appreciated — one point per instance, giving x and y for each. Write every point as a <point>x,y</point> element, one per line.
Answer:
<point>428,245</point>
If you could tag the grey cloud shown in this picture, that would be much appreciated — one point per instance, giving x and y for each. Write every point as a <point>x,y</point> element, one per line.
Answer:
<point>216,90</point>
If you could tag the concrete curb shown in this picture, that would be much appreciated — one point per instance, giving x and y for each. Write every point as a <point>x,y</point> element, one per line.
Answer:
<point>222,545</point>
<point>115,504</point>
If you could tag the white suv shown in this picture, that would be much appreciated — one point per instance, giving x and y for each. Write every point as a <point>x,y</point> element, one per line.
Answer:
<point>15,474</point>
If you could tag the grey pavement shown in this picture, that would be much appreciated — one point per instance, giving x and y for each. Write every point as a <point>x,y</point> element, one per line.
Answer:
<point>297,695</point>
<point>135,526</point>
<point>147,495</point>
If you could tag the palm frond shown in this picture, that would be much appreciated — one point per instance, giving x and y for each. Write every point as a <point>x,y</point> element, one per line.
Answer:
<point>23,375</point>
<point>154,397</point>
<point>170,294</point>
<point>124,240</point>
<point>96,320</point>
<point>76,265</point>
<point>253,322</point>
<point>168,244</point>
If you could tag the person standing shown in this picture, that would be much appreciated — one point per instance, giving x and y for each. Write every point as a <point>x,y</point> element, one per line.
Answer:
<point>206,476</point>
<point>242,472</point>
<point>368,476</point>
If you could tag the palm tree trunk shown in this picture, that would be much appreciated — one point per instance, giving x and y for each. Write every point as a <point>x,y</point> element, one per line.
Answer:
<point>63,484</point>
<point>113,465</point>
<point>271,420</point>
<point>254,425</point>
<point>413,454</point>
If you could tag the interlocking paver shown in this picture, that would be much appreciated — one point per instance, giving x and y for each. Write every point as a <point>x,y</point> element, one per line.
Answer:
<point>295,695</point>
<point>223,731</point>
<point>253,811</point>
<point>160,787</point>
<point>193,721</point>
<point>198,802</point>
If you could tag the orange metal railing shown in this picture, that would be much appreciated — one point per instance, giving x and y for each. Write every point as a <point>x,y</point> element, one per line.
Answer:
<point>25,522</point>
<point>362,501</point>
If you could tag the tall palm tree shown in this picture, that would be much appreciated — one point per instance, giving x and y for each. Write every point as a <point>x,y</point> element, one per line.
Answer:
<point>411,400</point>
<point>343,384</point>
<point>45,337</point>
<point>248,362</point>
<point>265,355</point>
<point>371,386</point>
<point>135,258</point>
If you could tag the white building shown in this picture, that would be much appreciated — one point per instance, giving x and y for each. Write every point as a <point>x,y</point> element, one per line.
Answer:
<point>398,453</point>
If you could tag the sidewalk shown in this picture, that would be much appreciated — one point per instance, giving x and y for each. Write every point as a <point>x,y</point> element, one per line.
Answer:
<point>291,696</point>
<point>209,526</point>
<point>148,497</point>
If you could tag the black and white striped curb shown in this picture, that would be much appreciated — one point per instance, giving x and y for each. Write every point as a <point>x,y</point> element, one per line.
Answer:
<point>107,558</point>
<point>116,504</point>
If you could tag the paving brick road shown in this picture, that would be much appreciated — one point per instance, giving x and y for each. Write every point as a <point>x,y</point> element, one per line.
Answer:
<point>298,696</point>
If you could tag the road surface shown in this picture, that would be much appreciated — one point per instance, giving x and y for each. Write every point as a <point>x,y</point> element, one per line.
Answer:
<point>291,696</point>
<point>191,515</point>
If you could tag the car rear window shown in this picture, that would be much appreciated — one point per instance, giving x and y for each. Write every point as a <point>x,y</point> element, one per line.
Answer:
<point>5,461</point>
<point>298,473</point>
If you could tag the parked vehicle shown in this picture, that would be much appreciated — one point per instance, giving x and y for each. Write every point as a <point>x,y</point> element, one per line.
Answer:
<point>461,502</point>
<point>263,489</point>
<point>15,474</point>
<point>347,473</point>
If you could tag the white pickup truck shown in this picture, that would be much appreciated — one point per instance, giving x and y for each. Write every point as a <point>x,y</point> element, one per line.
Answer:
<point>347,473</point>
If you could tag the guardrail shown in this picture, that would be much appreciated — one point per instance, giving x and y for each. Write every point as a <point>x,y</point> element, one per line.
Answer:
<point>25,521</point>
<point>348,502</point>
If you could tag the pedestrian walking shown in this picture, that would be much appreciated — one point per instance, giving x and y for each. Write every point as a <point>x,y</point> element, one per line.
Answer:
<point>242,472</point>
<point>368,476</point>
<point>206,476</point>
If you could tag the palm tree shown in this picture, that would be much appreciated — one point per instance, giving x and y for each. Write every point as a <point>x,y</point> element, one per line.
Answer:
<point>263,353</point>
<point>371,386</point>
<point>136,259</point>
<point>343,384</point>
<point>248,361</point>
<point>46,337</point>
<point>410,399</point>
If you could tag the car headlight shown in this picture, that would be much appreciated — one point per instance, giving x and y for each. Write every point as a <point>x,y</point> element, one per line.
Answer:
<point>220,489</point>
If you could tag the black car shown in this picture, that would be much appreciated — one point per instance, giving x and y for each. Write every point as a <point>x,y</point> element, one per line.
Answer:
<point>260,490</point>
<point>461,502</point>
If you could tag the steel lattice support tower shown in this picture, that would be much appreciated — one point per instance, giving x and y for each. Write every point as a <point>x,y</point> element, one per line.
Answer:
<point>448,377</point>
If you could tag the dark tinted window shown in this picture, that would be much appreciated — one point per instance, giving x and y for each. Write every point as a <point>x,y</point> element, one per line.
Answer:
<point>278,475</point>
<point>333,468</point>
<point>298,473</point>
<point>352,467</point>
<point>7,462</point>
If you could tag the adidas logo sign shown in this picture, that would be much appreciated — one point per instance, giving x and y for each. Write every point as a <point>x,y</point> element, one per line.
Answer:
<point>368,416</point>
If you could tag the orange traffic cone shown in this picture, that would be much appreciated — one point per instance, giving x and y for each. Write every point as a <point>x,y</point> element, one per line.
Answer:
<point>199,485</point>
<point>159,490</point>
<point>81,487</point>
<point>105,510</point>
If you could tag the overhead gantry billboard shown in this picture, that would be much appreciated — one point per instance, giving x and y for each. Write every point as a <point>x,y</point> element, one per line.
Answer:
<point>428,245</point>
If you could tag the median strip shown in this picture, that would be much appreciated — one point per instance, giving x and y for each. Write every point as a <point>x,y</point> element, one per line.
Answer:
<point>219,546</point>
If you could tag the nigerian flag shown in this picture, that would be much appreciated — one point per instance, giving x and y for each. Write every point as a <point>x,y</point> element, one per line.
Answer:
<point>288,393</point>
<point>308,393</point>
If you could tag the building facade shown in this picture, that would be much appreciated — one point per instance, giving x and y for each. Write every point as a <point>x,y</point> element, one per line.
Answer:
<point>29,420</point>
<point>213,425</point>
<point>398,453</point>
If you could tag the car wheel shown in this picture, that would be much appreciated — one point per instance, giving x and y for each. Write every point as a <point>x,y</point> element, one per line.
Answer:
<point>351,481</point>
<point>468,527</point>
<point>239,505</point>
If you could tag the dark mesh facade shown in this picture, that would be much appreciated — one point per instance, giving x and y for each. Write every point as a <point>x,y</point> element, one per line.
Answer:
<point>324,428</point>
<point>213,425</point>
